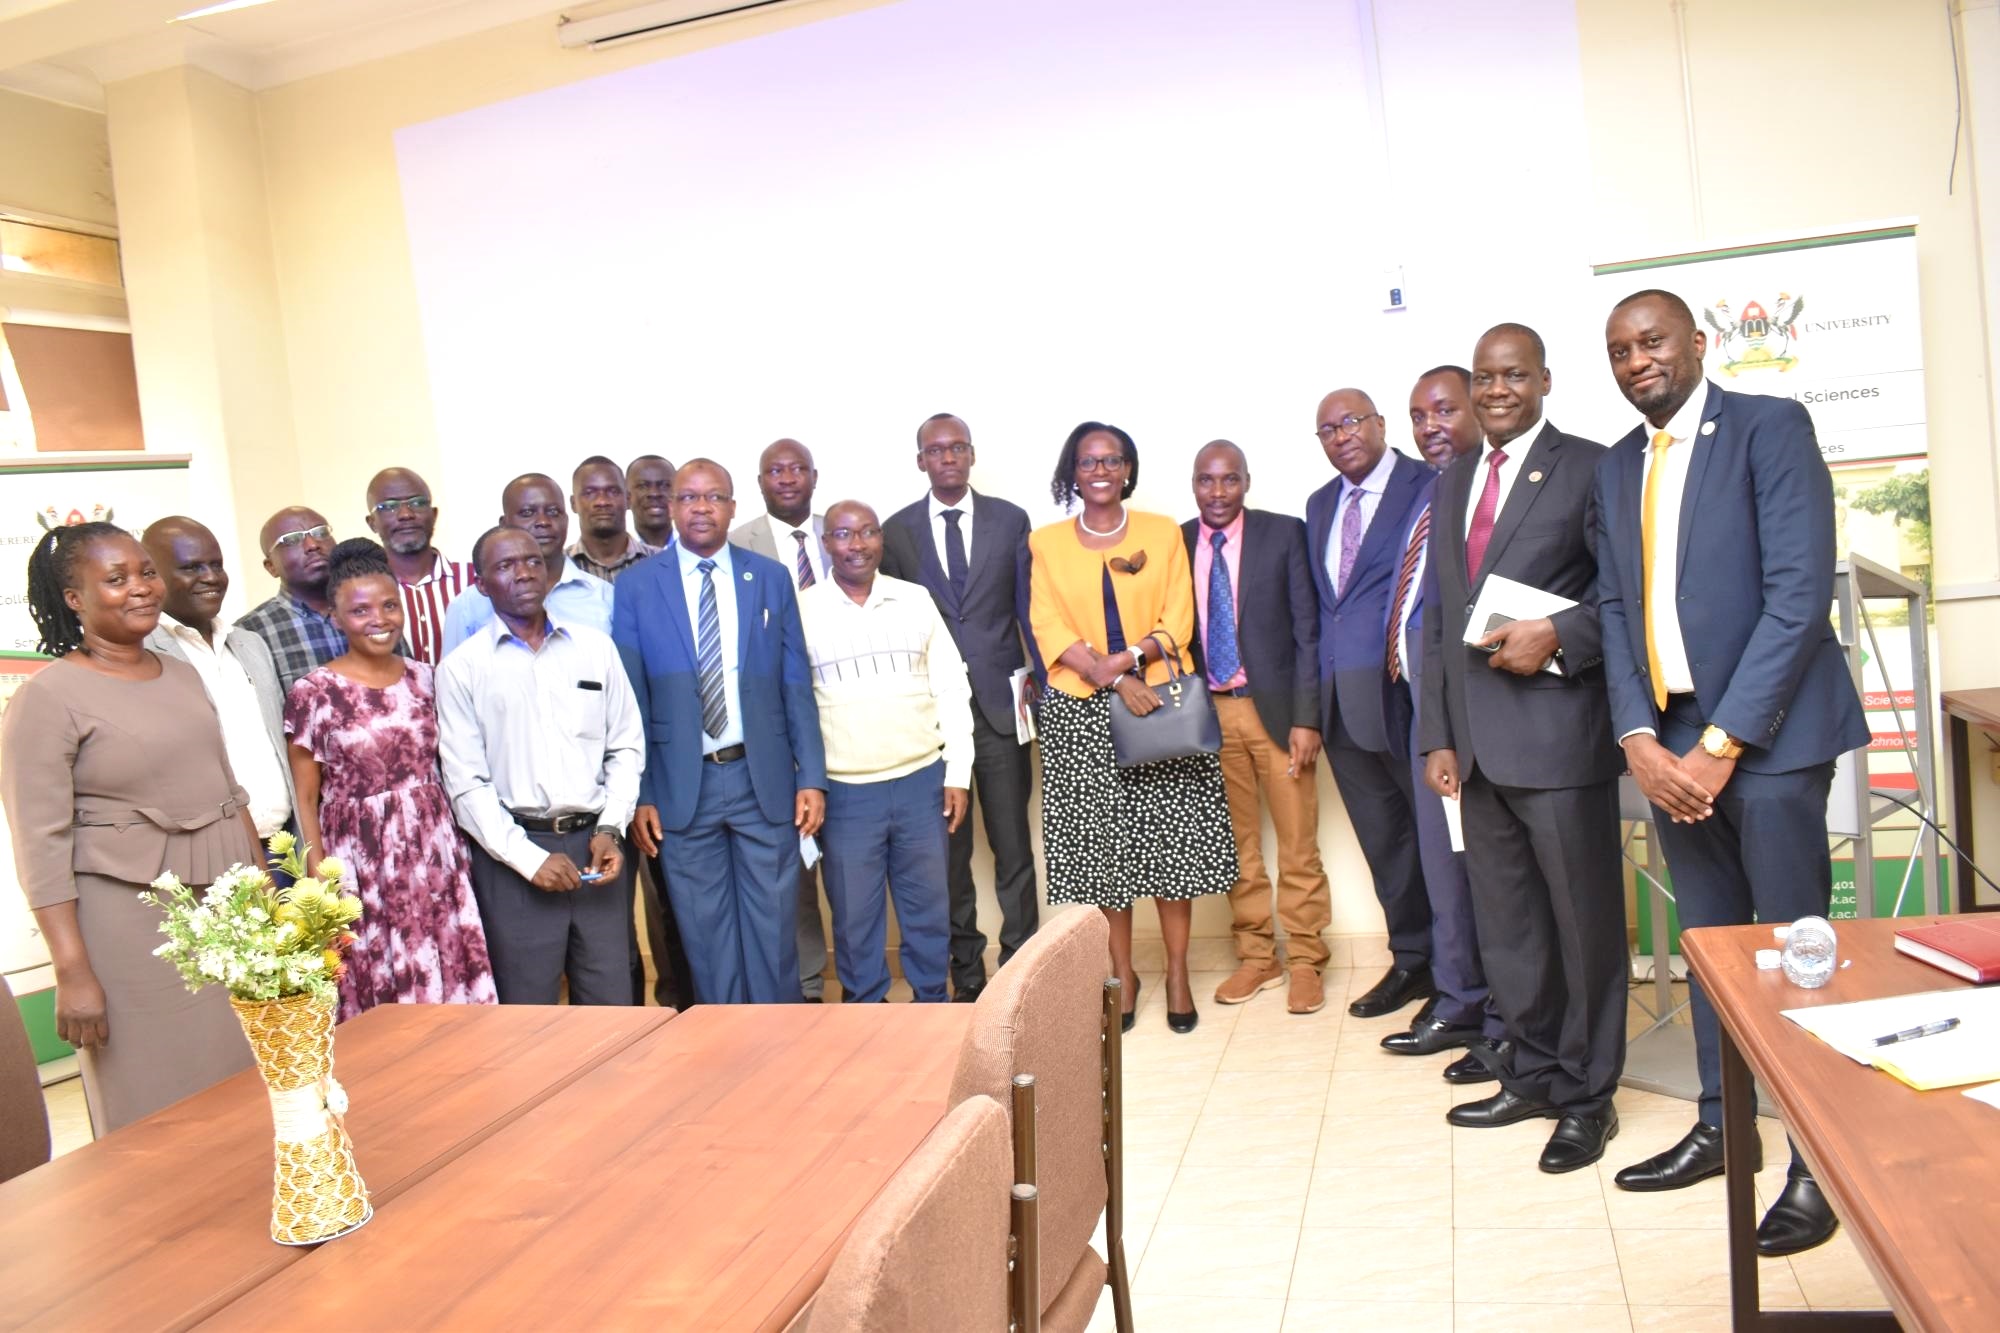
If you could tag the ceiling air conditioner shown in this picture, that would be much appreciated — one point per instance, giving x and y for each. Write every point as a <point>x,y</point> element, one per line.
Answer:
<point>643,21</point>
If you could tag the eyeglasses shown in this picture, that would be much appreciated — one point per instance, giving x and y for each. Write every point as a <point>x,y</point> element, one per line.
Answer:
<point>703,497</point>
<point>956,449</point>
<point>318,533</point>
<point>1108,463</point>
<point>1347,425</point>
<point>416,504</point>
<point>869,533</point>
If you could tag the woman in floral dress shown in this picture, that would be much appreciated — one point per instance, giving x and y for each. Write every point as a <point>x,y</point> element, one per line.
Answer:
<point>365,760</point>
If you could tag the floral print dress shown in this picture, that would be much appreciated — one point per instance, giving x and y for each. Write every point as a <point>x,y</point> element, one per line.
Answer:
<point>384,813</point>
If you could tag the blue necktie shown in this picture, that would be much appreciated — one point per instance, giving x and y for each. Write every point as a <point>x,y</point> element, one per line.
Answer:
<point>1223,663</point>
<point>708,651</point>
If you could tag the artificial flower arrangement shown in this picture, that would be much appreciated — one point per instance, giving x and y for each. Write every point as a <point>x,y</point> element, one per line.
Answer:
<point>278,951</point>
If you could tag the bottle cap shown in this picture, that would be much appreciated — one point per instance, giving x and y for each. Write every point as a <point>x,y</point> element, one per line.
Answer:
<point>1767,960</point>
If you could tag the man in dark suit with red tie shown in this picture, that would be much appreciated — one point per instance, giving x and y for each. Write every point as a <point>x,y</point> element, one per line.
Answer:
<point>1730,692</point>
<point>1527,752</point>
<point>1354,527</point>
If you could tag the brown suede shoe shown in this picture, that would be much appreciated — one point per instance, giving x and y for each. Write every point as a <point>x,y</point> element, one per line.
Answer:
<point>1308,995</point>
<point>1247,980</point>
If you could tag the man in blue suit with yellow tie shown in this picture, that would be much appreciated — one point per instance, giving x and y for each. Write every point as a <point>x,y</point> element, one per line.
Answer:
<point>735,770</point>
<point>1729,691</point>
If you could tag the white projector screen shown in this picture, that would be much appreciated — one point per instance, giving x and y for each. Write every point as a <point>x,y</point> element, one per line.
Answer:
<point>1174,217</point>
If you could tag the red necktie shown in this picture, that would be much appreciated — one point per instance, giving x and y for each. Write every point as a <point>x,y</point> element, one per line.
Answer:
<point>1483,516</point>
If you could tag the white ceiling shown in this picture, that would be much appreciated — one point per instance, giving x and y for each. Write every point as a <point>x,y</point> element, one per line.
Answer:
<point>68,49</point>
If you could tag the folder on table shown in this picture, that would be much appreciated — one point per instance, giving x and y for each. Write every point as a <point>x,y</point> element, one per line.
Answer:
<point>1969,1053</point>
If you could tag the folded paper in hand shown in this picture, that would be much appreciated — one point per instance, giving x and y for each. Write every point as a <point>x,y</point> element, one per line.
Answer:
<point>1502,600</point>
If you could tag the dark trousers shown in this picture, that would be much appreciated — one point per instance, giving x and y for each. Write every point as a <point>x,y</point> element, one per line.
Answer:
<point>1549,901</point>
<point>886,840</point>
<point>673,988</point>
<point>811,934</point>
<point>1381,806</point>
<point>733,876</point>
<point>1762,856</point>
<point>1001,774</point>
<point>535,937</point>
<point>1455,967</point>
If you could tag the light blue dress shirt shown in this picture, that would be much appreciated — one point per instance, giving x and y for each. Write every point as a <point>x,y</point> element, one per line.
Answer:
<point>576,599</point>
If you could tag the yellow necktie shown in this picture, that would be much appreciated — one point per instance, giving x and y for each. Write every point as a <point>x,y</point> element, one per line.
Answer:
<point>1648,524</point>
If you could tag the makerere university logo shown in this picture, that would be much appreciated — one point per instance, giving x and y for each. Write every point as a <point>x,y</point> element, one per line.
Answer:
<point>1757,341</point>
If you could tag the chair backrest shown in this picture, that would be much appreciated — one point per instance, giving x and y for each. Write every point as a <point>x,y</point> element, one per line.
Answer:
<point>931,1250</point>
<point>24,1116</point>
<point>1042,1014</point>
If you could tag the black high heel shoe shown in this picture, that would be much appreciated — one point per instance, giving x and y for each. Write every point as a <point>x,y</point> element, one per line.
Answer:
<point>1131,1015</point>
<point>1183,1023</point>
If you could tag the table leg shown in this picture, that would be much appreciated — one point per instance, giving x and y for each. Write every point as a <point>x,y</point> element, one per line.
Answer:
<point>1961,810</point>
<point>1739,1149</point>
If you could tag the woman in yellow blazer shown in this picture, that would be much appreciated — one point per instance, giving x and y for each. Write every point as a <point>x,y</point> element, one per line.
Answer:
<point>1110,595</point>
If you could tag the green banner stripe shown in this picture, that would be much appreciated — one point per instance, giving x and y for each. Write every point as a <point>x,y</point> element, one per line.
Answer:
<point>25,657</point>
<point>165,465</point>
<point>1738,252</point>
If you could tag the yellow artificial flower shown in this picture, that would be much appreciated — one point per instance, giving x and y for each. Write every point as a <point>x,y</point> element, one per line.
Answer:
<point>281,843</point>
<point>347,909</point>
<point>331,869</point>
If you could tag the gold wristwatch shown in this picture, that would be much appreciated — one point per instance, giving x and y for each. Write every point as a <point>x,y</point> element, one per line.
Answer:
<point>1720,743</point>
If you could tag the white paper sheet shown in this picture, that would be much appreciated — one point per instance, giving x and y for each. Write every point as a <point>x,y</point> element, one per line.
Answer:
<point>1454,822</point>
<point>1990,1094</point>
<point>1024,721</point>
<point>808,850</point>
<point>1852,1029</point>
<point>1510,600</point>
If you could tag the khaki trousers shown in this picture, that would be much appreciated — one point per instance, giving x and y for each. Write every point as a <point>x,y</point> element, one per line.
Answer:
<point>1254,774</point>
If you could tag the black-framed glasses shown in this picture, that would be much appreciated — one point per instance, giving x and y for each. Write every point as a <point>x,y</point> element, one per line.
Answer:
<point>702,497</point>
<point>1347,425</point>
<point>416,504</point>
<point>319,532</point>
<point>869,533</point>
<point>1106,463</point>
<point>956,449</point>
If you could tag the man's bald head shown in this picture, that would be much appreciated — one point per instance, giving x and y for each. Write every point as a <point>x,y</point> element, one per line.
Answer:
<point>189,559</point>
<point>401,511</point>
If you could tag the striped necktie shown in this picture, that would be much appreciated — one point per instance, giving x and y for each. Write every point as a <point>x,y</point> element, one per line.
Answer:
<point>1648,527</point>
<point>1420,534</point>
<point>806,579</point>
<point>708,654</point>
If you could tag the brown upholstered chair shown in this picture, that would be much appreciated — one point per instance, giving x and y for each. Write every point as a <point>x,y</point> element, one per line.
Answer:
<point>1043,1014</point>
<point>24,1116</point>
<point>931,1250</point>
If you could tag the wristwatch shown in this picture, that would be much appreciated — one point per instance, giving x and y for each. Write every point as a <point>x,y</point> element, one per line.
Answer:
<point>1720,743</point>
<point>1138,651</point>
<point>606,829</point>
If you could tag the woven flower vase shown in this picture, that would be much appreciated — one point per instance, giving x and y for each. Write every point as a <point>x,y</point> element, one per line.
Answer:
<point>317,1193</point>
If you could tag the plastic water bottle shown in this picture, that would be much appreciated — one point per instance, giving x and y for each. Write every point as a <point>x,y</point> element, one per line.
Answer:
<point>1810,952</point>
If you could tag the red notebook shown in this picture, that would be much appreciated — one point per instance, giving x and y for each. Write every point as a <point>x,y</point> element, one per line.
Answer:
<point>1966,947</point>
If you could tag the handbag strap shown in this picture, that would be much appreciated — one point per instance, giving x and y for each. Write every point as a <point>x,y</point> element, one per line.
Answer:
<point>1172,657</point>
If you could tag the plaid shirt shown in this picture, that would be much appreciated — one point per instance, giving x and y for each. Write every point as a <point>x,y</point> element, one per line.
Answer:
<point>424,605</point>
<point>299,637</point>
<point>635,551</point>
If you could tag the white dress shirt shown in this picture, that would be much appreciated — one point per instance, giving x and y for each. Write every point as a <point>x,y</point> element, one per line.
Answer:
<point>889,681</point>
<point>545,732</point>
<point>1369,496</point>
<point>725,608</point>
<point>786,543</point>
<point>1517,449</point>
<point>245,739</point>
<point>938,527</point>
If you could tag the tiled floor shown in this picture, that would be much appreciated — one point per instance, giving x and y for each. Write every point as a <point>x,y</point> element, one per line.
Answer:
<point>1284,1174</point>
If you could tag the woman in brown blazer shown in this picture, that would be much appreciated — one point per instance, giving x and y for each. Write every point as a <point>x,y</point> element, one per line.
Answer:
<point>112,772</point>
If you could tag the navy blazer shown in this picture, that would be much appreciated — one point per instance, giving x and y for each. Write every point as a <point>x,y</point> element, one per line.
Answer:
<point>1277,621</point>
<point>1351,639</point>
<point>781,737</point>
<point>1754,570</point>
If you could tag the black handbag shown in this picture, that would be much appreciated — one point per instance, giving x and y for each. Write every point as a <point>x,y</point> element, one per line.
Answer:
<point>1184,723</point>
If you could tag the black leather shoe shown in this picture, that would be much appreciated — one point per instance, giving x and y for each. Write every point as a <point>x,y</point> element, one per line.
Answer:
<point>1468,1068</point>
<point>1183,1022</point>
<point>1397,988</point>
<point>1502,1108</point>
<point>1579,1139</point>
<point>1131,1015</point>
<point>1427,1013</point>
<point>1799,1220</point>
<point>966,994</point>
<point>1430,1038</point>
<point>1696,1157</point>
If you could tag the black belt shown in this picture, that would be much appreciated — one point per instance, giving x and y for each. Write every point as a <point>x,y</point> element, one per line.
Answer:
<point>728,754</point>
<point>557,823</point>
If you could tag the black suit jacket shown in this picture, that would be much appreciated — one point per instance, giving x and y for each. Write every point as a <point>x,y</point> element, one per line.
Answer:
<point>985,624</point>
<point>1277,621</point>
<point>1539,731</point>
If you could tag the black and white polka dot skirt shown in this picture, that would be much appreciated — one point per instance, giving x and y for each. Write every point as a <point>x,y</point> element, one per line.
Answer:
<point>1112,834</point>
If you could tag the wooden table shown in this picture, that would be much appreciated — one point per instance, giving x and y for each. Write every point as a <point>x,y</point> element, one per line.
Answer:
<point>168,1220</point>
<point>702,1178</point>
<point>1913,1176</point>
<point>1964,710</point>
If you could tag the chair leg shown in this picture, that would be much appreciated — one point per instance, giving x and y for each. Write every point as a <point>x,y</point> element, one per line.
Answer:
<point>1024,1277</point>
<point>1026,1170</point>
<point>1114,1158</point>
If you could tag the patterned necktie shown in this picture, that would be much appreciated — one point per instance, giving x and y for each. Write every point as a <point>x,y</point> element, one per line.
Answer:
<point>806,579</point>
<point>1220,643</point>
<point>1419,535</point>
<point>1648,525</point>
<point>1483,516</point>
<point>708,654</point>
<point>955,566</point>
<point>1350,538</point>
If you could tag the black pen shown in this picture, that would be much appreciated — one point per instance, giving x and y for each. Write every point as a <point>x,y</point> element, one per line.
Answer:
<point>1910,1034</point>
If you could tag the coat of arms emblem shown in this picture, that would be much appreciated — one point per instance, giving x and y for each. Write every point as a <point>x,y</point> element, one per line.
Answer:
<point>1757,340</point>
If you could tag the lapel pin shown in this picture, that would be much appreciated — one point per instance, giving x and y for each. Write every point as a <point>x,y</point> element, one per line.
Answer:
<point>1708,428</point>
<point>1534,476</point>
<point>747,576</point>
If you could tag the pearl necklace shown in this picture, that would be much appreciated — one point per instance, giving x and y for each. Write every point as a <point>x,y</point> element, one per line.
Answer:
<point>1124,516</point>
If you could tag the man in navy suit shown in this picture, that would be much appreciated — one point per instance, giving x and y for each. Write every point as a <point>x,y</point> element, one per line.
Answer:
<point>1729,691</point>
<point>735,769</point>
<point>965,548</point>
<point>1354,524</point>
<point>1462,1012</point>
